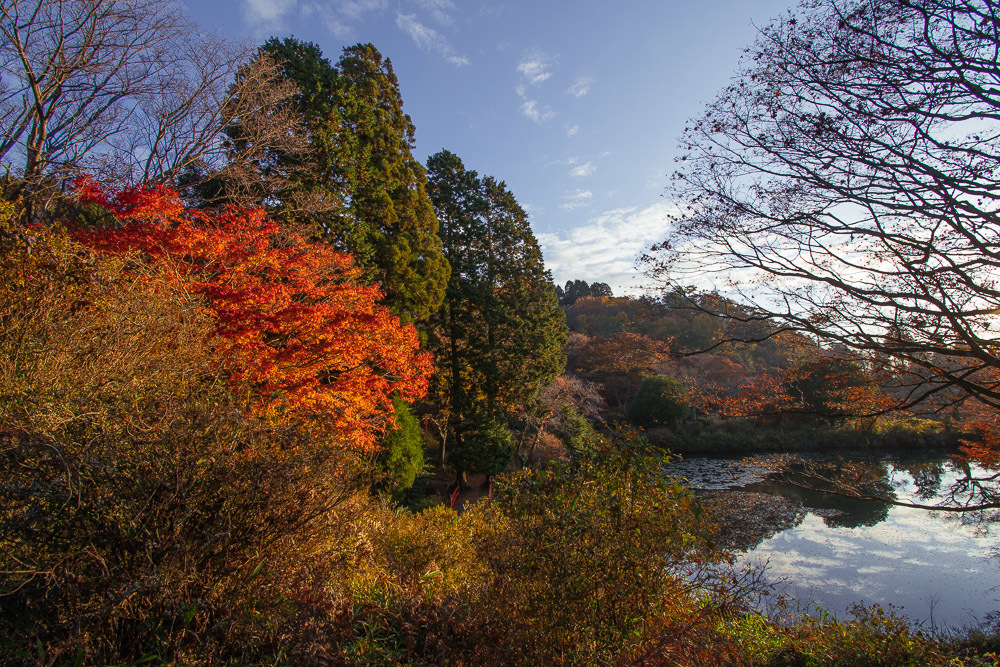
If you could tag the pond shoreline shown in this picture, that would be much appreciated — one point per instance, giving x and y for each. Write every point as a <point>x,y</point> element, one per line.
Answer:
<point>735,437</point>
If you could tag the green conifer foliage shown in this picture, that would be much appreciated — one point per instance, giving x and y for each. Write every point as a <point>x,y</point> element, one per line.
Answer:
<point>486,446</point>
<point>361,157</point>
<point>402,456</point>
<point>501,329</point>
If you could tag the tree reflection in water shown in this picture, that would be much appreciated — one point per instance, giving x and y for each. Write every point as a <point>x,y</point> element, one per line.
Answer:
<point>859,492</point>
<point>846,492</point>
<point>823,547</point>
<point>926,477</point>
<point>816,493</point>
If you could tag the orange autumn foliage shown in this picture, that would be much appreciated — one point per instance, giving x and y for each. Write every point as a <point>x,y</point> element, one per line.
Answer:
<point>986,449</point>
<point>984,421</point>
<point>297,334</point>
<point>824,387</point>
<point>763,394</point>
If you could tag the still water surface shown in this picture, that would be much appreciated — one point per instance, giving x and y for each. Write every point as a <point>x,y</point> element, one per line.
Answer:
<point>939,569</point>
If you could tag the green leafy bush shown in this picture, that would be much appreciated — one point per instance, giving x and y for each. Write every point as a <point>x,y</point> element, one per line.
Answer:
<point>485,446</point>
<point>402,455</point>
<point>872,637</point>
<point>660,401</point>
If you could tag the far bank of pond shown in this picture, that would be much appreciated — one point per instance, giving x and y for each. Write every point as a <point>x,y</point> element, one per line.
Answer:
<point>731,437</point>
<point>827,553</point>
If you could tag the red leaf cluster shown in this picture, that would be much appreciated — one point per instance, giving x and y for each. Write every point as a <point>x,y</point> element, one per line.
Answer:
<point>297,334</point>
<point>835,390</point>
<point>984,421</point>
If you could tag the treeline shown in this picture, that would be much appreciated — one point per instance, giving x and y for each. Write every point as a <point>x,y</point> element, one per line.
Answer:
<point>686,363</point>
<point>578,289</point>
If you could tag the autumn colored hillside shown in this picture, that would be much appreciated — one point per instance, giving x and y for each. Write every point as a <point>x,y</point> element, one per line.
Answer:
<point>249,344</point>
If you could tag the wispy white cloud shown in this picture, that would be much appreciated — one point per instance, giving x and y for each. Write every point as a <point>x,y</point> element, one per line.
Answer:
<point>576,199</point>
<point>357,9</point>
<point>491,9</point>
<point>568,162</point>
<point>428,38</point>
<point>605,249</point>
<point>535,68</point>
<point>586,169</point>
<point>340,17</point>
<point>338,24</point>
<point>425,37</point>
<point>536,112</point>
<point>439,10</point>
<point>580,87</point>
<point>267,12</point>
<point>532,108</point>
<point>572,130</point>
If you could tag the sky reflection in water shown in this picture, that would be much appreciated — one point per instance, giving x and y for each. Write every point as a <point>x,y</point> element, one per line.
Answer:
<point>928,565</point>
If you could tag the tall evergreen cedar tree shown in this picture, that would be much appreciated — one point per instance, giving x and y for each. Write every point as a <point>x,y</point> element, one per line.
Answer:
<point>360,159</point>
<point>501,329</point>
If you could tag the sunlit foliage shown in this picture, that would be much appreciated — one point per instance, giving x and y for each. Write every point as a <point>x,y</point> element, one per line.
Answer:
<point>142,512</point>
<point>294,329</point>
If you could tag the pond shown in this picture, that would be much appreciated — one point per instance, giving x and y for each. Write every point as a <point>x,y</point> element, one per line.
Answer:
<point>940,569</point>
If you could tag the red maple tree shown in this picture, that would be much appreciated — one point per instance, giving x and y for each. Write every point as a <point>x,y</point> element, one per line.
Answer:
<point>297,333</point>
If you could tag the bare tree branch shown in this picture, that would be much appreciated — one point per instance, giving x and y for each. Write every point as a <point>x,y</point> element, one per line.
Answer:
<point>134,92</point>
<point>846,185</point>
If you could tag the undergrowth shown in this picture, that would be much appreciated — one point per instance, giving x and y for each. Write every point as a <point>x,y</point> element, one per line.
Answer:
<point>145,518</point>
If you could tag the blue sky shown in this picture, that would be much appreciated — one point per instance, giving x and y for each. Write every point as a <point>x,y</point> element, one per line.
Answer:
<point>577,106</point>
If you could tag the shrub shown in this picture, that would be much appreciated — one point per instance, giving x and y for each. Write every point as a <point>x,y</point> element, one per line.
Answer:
<point>660,401</point>
<point>402,455</point>
<point>142,512</point>
<point>577,434</point>
<point>583,559</point>
<point>872,637</point>
<point>296,332</point>
<point>485,446</point>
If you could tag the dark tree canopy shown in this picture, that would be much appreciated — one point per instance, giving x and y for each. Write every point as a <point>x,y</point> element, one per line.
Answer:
<point>361,164</point>
<point>660,401</point>
<point>846,183</point>
<point>501,330</point>
<point>579,289</point>
<point>485,446</point>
